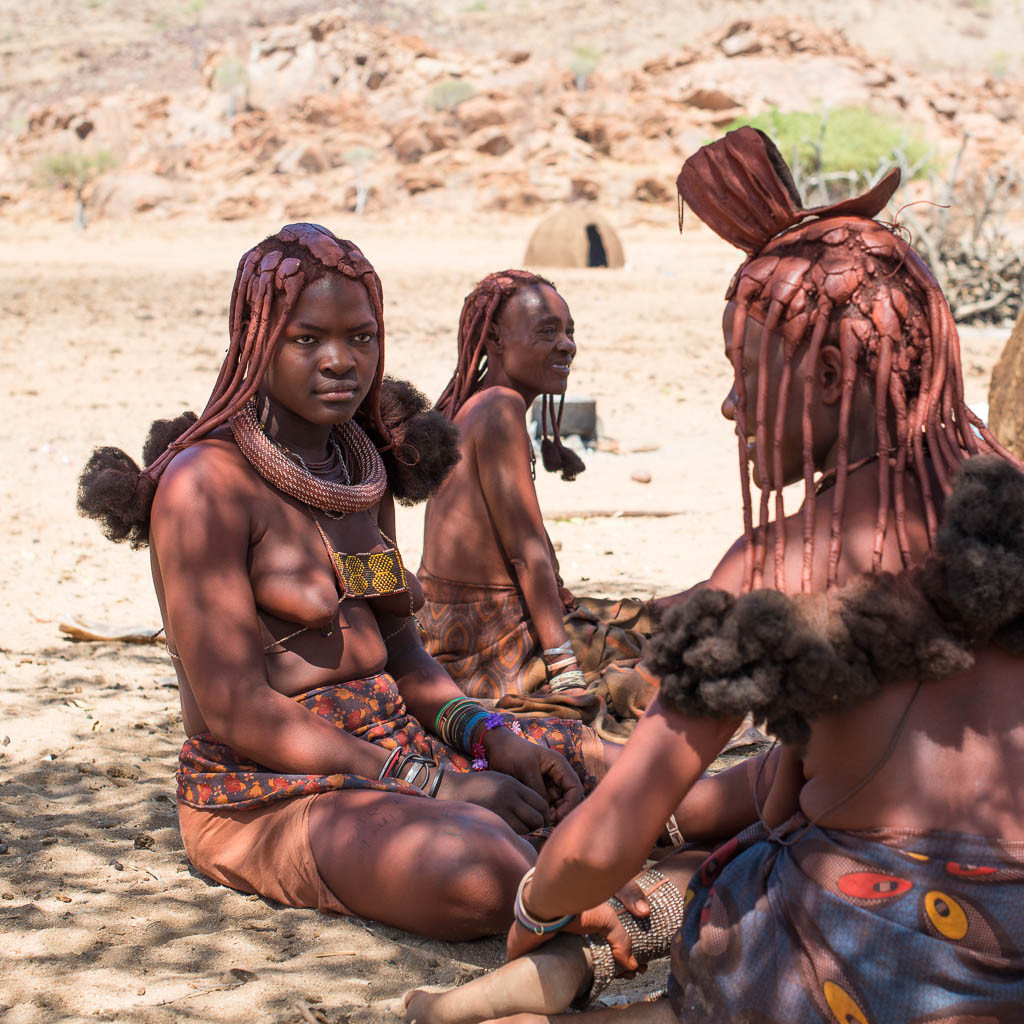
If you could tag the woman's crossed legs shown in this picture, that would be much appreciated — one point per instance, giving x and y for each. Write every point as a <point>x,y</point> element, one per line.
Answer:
<point>543,983</point>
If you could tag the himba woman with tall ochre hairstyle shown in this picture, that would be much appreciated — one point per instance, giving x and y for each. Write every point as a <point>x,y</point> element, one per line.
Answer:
<point>878,631</point>
<point>496,612</point>
<point>328,759</point>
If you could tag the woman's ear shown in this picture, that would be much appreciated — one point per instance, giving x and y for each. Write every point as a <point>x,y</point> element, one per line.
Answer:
<point>830,374</point>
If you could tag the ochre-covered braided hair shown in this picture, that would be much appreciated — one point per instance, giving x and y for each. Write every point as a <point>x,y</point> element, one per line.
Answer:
<point>833,276</point>
<point>270,278</point>
<point>480,311</point>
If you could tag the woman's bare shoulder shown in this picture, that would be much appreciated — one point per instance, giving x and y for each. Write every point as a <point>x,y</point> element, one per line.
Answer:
<point>209,475</point>
<point>491,407</point>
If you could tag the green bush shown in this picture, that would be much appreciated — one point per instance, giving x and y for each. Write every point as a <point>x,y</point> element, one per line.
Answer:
<point>583,64</point>
<point>230,74</point>
<point>850,138</point>
<point>448,95</point>
<point>74,169</point>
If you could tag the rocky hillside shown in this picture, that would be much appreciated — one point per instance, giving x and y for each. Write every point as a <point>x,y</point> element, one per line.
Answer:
<point>338,110</point>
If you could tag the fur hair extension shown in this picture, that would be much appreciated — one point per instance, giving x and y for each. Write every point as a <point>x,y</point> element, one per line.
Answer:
<point>163,433</point>
<point>789,660</point>
<point>113,491</point>
<point>424,444</point>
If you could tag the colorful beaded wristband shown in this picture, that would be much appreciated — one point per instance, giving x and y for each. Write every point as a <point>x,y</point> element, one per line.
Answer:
<point>454,721</point>
<point>480,762</point>
<point>528,921</point>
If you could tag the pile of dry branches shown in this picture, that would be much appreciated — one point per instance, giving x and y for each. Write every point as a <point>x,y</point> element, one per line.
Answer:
<point>963,235</point>
<point>967,245</point>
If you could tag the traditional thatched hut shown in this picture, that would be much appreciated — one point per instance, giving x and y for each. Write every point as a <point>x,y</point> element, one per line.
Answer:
<point>575,235</point>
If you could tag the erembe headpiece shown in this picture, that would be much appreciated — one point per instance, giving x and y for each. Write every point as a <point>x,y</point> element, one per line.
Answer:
<point>832,275</point>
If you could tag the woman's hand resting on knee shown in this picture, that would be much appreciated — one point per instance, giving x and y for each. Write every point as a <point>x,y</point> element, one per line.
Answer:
<point>600,920</point>
<point>517,805</point>
<point>545,771</point>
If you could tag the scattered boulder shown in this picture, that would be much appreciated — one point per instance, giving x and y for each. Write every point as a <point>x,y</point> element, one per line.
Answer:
<point>584,188</point>
<point>1006,393</point>
<point>123,194</point>
<point>415,183</point>
<point>304,158</point>
<point>652,190</point>
<point>411,145</point>
<point>494,143</point>
<point>575,235</point>
<point>602,132</point>
<point>710,99</point>
<point>238,207</point>
<point>479,112</point>
<point>740,40</point>
<point>512,197</point>
<point>441,135</point>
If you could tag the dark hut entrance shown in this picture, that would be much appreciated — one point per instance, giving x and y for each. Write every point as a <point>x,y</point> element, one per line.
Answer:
<point>576,235</point>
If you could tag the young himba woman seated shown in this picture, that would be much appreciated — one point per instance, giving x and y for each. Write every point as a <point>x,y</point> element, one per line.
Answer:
<point>497,615</point>
<point>328,756</point>
<point>880,633</point>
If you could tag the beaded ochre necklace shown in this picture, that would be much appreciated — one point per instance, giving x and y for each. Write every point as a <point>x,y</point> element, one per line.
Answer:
<point>362,490</point>
<point>365,575</point>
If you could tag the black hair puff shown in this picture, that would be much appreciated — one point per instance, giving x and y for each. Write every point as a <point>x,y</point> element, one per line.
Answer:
<point>424,444</point>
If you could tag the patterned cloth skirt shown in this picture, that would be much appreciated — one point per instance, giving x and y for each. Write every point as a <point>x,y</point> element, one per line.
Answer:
<point>872,927</point>
<point>483,636</point>
<point>212,776</point>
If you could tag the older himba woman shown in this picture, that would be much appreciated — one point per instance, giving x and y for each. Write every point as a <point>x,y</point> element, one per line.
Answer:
<point>879,632</point>
<point>497,614</point>
<point>328,756</point>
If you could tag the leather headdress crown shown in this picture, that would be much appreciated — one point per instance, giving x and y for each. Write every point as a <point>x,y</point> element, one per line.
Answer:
<point>740,186</point>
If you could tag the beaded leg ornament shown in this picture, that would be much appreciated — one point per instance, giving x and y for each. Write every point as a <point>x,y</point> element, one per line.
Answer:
<point>275,466</point>
<point>651,936</point>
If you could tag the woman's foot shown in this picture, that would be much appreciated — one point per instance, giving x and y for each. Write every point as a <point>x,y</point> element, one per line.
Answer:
<point>546,981</point>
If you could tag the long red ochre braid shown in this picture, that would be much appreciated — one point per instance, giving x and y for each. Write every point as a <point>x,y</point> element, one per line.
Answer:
<point>268,283</point>
<point>843,279</point>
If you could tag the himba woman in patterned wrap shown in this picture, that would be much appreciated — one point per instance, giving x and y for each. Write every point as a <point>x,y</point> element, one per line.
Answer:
<point>328,758</point>
<point>878,631</point>
<point>497,614</point>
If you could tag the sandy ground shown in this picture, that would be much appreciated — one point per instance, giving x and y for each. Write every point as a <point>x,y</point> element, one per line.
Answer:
<point>101,332</point>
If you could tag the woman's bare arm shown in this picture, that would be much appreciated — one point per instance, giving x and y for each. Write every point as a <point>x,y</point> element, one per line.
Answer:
<point>502,451</point>
<point>606,840</point>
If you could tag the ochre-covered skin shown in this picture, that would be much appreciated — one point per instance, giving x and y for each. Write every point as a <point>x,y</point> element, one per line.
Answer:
<point>485,525</point>
<point>477,326</point>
